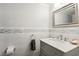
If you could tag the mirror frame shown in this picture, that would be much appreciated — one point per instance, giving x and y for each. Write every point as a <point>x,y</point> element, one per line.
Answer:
<point>62,8</point>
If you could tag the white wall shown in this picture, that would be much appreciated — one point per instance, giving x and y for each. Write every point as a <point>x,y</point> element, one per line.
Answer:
<point>27,16</point>
<point>24,15</point>
<point>59,5</point>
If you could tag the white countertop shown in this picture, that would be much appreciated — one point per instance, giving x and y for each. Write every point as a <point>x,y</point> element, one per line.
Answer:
<point>59,44</point>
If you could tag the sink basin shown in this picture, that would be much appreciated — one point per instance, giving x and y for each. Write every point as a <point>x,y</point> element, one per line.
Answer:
<point>75,41</point>
<point>59,44</point>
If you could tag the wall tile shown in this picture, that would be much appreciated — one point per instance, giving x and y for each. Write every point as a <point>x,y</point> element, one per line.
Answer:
<point>21,39</point>
<point>71,33</point>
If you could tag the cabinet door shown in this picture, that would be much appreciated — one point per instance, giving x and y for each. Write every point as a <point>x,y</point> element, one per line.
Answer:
<point>46,49</point>
<point>58,52</point>
<point>43,53</point>
<point>74,52</point>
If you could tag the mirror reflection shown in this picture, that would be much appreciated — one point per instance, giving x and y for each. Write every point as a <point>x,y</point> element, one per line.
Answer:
<point>65,16</point>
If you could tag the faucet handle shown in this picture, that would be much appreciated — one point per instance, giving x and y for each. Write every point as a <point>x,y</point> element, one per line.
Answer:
<point>65,39</point>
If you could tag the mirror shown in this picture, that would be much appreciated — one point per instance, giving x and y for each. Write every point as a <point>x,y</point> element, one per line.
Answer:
<point>66,15</point>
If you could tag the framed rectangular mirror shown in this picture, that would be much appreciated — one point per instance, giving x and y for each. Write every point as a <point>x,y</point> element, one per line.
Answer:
<point>66,16</point>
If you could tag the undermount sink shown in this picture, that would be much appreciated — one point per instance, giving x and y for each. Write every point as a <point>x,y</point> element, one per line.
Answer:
<point>59,44</point>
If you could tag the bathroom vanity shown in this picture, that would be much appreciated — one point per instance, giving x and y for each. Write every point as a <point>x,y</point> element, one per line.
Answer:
<point>55,47</point>
<point>63,17</point>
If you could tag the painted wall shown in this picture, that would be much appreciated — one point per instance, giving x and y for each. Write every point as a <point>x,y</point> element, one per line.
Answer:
<point>24,15</point>
<point>18,22</point>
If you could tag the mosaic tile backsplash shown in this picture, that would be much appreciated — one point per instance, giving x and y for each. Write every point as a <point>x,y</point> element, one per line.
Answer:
<point>70,33</point>
<point>21,30</point>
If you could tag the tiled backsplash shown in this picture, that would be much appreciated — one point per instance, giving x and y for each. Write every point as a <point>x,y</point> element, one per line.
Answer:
<point>71,33</point>
<point>21,30</point>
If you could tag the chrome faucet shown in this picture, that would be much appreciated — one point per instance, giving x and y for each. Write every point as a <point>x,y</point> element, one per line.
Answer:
<point>61,37</point>
<point>66,38</point>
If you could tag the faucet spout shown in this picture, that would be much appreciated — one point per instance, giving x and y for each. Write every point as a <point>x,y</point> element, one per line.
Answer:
<point>61,37</point>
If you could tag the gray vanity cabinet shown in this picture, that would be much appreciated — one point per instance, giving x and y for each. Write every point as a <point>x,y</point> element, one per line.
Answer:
<point>48,50</point>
